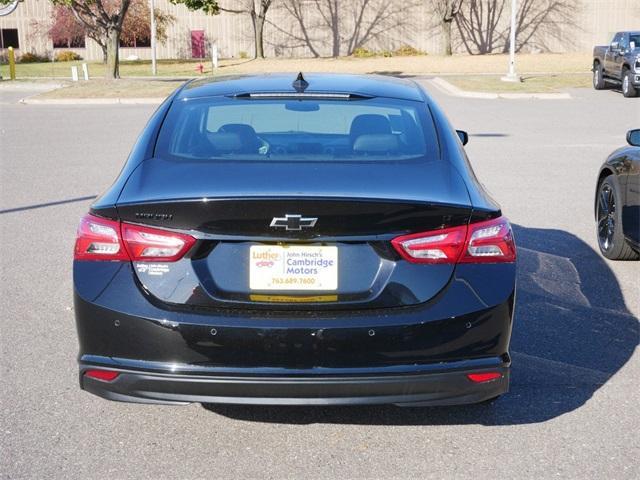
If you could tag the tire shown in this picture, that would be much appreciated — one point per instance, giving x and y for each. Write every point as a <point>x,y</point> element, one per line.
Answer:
<point>609,223</point>
<point>598,77</point>
<point>628,90</point>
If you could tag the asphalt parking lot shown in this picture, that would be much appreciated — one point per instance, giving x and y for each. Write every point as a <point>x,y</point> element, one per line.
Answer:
<point>574,406</point>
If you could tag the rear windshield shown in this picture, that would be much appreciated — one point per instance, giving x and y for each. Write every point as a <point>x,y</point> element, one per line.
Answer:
<point>309,129</point>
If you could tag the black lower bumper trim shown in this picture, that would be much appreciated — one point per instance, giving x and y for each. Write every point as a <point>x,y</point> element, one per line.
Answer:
<point>448,388</point>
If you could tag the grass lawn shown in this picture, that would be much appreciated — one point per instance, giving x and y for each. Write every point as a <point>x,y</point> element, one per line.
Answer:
<point>561,71</point>
<point>174,68</point>
<point>530,83</point>
<point>423,64</point>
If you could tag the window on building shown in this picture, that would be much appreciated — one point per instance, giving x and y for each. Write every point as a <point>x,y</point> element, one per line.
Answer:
<point>77,42</point>
<point>136,42</point>
<point>9,38</point>
<point>143,42</point>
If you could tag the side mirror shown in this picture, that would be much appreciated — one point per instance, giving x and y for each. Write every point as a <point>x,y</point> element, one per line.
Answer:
<point>464,136</point>
<point>615,46</point>
<point>633,137</point>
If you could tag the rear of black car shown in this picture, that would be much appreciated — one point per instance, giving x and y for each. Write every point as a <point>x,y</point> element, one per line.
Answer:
<point>274,246</point>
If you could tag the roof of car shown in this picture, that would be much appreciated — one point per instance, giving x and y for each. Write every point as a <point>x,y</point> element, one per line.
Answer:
<point>367,85</point>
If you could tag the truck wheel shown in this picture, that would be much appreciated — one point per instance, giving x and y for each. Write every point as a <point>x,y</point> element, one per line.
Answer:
<point>598,77</point>
<point>628,90</point>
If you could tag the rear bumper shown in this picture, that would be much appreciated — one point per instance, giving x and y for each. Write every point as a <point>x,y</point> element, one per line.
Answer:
<point>416,355</point>
<point>444,385</point>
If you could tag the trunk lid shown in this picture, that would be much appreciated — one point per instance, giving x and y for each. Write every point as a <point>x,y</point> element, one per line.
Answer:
<point>302,214</point>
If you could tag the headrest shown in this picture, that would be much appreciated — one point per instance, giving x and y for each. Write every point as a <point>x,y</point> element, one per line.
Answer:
<point>380,143</point>
<point>247,135</point>
<point>241,129</point>
<point>369,124</point>
<point>224,142</point>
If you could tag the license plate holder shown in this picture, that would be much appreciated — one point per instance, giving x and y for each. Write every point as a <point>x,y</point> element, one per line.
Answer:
<point>293,267</point>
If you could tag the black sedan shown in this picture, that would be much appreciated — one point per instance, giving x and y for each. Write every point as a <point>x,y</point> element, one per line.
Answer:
<point>617,205</point>
<point>289,240</point>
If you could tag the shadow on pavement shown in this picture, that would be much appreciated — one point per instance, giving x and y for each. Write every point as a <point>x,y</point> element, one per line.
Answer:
<point>572,333</point>
<point>48,204</point>
<point>392,73</point>
<point>489,135</point>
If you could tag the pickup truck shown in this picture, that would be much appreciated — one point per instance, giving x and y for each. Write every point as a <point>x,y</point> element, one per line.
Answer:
<point>618,63</point>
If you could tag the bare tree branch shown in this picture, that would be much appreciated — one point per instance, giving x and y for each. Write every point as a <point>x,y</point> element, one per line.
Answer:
<point>446,11</point>
<point>342,26</point>
<point>483,28</point>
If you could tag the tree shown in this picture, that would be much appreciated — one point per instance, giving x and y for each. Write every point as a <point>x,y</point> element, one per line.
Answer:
<point>484,30</point>
<point>445,11</point>
<point>65,28</point>
<point>210,7</point>
<point>256,9</point>
<point>542,17</point>
<point>137,23</point>
<point>478,23</point>
<point>350,24</point>
<point>103,20</point>
<point>296,9</point>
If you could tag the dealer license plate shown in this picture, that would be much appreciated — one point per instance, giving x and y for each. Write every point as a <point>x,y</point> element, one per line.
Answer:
<point>293,267</point>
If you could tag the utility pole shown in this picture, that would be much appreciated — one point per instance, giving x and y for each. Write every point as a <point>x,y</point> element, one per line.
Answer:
<point>512,76</point>
<point>154,66</point>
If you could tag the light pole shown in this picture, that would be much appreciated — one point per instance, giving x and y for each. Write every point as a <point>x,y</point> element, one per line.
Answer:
<point>512,76</point>
<point>154,66</point>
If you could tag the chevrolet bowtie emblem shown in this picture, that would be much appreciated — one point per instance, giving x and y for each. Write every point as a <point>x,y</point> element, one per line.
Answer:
<point>293,222</point>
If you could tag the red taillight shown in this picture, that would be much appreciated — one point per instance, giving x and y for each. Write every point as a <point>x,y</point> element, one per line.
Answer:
<point>490,241</point>
<point>438,246</point>
<point>99,239</point>
<point>102,239</point>
<point>104,375</point>
<point>483,377</point>
<point>153,245</point>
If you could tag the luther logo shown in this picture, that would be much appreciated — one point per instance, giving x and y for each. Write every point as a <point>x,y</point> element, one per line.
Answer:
<point>293,222</point>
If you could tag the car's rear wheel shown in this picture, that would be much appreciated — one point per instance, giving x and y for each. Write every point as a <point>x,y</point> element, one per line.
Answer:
<point>609,223</point>
<point>628,90</point>
<point>598,77</point>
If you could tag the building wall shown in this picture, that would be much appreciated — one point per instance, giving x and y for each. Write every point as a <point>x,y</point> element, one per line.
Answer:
<point>23,19</point>
<point>595,23</point>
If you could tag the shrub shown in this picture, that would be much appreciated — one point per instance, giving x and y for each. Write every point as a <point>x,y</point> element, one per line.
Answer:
<point>31,57</point>
<point>243,54</point>
<point>407,51</point>
<point>362,52</point>
<point>67,56</point>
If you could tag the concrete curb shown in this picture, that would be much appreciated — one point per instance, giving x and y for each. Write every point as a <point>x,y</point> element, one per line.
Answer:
<point>19,86</point>
<point>91,101</point>
<point>454,91</point>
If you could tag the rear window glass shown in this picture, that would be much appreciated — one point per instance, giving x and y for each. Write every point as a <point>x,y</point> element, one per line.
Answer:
<point>308,129</point>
